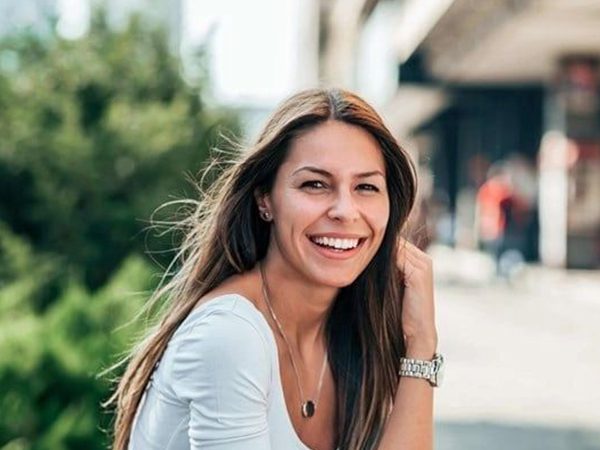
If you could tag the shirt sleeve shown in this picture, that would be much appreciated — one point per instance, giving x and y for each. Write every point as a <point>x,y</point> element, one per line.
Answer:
<point>222,369</point>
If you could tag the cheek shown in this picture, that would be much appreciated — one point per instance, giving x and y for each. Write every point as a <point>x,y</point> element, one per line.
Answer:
<point>297,207</point>
<point>294,213</point>
<point>378,217</point>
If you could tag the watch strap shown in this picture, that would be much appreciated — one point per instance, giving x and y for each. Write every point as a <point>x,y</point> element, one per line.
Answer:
<point>418,368</point>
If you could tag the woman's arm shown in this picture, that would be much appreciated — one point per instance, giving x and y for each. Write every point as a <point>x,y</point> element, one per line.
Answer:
<point>410,424</point>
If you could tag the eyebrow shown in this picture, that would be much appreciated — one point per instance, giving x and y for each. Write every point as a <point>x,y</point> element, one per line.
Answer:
<point>329,175</point>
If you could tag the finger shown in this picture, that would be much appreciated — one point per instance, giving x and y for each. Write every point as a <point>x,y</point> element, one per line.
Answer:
<point>403,242</point>
<point>414,259</point>
<point>409,270</point>
<point>408,248</point>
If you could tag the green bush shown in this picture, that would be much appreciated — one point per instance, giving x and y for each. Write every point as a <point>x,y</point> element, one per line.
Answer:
<point>49,363</point>
<point>94,135</point>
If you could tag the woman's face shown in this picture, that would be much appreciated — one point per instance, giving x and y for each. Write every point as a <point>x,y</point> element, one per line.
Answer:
<point>329,204</point>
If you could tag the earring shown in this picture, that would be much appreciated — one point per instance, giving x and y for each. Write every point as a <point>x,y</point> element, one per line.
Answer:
<point>265,215</point>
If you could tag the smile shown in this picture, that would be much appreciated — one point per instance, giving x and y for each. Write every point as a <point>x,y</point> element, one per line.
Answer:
<point>336,243</point>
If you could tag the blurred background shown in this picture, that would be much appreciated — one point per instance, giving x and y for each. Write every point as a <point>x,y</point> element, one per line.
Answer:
<point>110,108</point>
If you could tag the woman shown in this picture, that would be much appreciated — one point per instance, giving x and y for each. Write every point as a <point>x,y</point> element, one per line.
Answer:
<point>295,301</point>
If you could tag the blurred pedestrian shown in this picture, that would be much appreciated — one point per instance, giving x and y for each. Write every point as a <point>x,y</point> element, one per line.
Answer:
<point>493,200</point>
<point>504,217</point>
<point>299,316</point>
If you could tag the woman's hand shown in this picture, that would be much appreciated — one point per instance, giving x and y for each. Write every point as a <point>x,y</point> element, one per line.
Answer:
<point>418,310</point>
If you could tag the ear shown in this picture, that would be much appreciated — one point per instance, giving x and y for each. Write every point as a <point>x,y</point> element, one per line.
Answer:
<point>262,200</point>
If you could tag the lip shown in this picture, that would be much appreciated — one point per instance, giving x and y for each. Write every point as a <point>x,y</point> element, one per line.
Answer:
<point>336,254</point>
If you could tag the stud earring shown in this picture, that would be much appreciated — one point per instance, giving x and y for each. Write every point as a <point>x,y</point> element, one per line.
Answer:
<point>265,215</point>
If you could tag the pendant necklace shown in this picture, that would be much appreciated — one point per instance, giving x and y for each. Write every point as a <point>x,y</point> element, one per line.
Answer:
<point>308,406</point>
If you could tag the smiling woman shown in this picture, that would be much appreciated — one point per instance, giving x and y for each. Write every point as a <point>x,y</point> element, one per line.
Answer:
<point>299,318</point>
<point>329,191</point>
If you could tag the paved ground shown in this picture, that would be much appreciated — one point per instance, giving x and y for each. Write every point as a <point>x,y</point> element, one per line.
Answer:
<point>523,357</point>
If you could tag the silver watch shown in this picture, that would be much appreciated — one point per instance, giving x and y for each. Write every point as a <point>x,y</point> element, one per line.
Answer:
<point>432,371</point>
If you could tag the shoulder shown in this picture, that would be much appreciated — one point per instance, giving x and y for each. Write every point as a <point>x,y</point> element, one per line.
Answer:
<point>219,365</point>
<point>219,341</point>
<point>225,312</point>
<point>229,323</point>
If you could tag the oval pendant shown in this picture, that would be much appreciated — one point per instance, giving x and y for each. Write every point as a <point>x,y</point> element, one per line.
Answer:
<point>308,409</point>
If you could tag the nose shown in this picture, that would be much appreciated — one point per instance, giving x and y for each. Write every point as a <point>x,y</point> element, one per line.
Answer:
<point>343,208</point>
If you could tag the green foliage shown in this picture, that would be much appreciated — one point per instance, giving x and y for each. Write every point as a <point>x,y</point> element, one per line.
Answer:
<point>94,135</point>
<point>49,363</point>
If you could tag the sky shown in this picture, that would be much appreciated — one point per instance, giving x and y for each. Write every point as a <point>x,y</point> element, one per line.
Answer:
<point>252,44</point>
<point>74,18</point>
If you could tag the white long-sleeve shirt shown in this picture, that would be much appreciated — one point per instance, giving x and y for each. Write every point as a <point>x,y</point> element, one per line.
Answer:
<point>217,386</point>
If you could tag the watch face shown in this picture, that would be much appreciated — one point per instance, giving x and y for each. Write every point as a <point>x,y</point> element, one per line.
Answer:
<point>439,378</point>
<point>439,369</point>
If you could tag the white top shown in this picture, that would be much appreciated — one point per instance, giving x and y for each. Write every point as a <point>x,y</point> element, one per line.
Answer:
<point>217,385</point>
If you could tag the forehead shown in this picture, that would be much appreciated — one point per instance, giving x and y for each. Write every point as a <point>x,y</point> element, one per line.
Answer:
<point>336,146</point>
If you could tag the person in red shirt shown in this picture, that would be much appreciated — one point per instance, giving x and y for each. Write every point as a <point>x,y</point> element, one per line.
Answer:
<point>493,198</point>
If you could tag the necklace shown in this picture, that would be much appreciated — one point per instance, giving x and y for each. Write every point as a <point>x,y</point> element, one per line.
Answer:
<point>307,407</point>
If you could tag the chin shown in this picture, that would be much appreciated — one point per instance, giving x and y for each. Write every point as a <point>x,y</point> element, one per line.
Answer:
<point>335,280</point>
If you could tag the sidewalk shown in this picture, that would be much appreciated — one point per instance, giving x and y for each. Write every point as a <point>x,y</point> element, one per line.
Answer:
<point>474,268</point>
<point>523,356</point>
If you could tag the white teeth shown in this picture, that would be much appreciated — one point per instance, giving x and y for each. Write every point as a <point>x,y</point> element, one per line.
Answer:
<point>342,244</point>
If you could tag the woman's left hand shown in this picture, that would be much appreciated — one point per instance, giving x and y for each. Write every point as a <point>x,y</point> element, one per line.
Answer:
<point>418,309</point>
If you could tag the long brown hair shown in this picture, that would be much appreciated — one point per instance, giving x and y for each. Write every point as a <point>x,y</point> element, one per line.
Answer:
<point>226,236</point>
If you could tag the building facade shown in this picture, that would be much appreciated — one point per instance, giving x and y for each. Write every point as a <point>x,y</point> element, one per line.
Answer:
<point>493,94</point>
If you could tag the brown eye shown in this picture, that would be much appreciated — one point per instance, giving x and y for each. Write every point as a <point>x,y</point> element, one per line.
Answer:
<point>313,184</point>
<point>368,187</point>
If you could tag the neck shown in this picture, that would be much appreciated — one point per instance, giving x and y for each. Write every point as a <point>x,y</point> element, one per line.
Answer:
<point>301,309</point>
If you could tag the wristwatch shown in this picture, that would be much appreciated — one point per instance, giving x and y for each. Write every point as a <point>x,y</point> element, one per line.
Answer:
<point>432,371</point>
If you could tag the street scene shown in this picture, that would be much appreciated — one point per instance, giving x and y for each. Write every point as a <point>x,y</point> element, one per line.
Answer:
<point>522,357</point>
